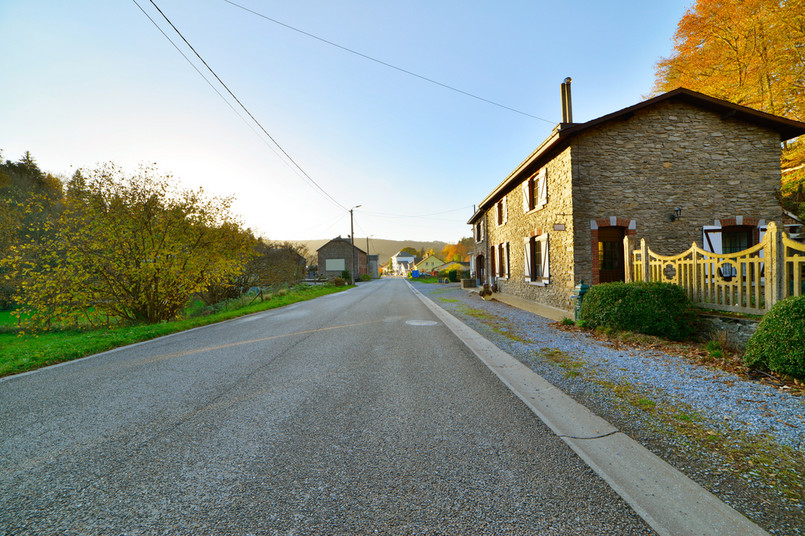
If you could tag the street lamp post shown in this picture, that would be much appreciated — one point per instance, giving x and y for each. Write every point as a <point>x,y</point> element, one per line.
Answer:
<point>352,244</point>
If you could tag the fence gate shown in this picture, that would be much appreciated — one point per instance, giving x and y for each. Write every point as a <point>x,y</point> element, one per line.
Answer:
<point>749,281</point>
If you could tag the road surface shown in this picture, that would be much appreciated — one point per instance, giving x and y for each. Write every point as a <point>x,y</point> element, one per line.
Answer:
<point>355,413</point>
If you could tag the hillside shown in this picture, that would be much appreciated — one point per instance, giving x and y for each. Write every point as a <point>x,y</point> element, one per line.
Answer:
<point>377,246</point>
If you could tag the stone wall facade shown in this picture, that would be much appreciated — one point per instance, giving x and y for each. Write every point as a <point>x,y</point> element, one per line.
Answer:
<point>632,173</point>
<point>340,248</point>
<point>738,331</point>
<point>554,219</point>
<point>667,156</point>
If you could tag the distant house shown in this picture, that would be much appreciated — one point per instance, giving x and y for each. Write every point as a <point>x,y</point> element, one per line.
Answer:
<point>338,255</point>
<point>681,167</point>
<point>429,264</point>
<point>404,267</point>
<point>401,262</point>
<point>373,266</point>
<point>455,265</point>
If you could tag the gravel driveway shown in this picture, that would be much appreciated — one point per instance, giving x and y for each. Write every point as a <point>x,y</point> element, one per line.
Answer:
<point>719,400</point>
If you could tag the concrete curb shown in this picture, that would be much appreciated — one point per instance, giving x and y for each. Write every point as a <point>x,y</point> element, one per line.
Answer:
<point>670,502</point>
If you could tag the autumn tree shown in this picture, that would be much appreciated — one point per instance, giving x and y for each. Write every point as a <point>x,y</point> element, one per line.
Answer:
<point>750,52</point>
<point>29,201</point>
<point>271,264</point>
<point>129,247</point>
<point>455,252</point>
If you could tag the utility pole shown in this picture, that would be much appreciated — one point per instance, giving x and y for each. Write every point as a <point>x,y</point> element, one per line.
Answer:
<point>352,244</point>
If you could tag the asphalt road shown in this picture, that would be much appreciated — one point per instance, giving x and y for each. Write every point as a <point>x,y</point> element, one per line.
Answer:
<point>355,413</point>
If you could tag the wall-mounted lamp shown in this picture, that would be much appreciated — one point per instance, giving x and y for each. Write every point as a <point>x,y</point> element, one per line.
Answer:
<point>677,214</point>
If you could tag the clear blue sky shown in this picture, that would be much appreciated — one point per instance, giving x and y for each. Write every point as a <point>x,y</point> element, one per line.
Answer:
<point>85,82</point>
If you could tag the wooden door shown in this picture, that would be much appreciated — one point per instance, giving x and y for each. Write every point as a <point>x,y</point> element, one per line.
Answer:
<point>610,254</point>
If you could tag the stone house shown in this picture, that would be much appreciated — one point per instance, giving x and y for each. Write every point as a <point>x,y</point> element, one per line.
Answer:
<point>338,255</point>
<point>666,169</point>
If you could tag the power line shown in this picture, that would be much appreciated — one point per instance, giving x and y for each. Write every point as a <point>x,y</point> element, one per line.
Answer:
<point>193,65</point>
<point>389,65</point>
<point>331,222</point>
<point>288,156</point>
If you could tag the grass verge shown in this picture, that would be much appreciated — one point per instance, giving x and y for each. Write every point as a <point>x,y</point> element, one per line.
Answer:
<point>425,279</point>
<point>25,352</point>
<point>752,457</point>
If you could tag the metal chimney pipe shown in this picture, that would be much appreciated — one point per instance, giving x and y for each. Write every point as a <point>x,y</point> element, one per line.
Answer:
<point>567,104</point>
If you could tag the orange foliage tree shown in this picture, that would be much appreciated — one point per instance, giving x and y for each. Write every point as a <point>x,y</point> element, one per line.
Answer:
<point>750,52</point>
<point>456,252</point>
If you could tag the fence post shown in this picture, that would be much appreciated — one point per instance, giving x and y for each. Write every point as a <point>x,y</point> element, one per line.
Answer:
<point>645,266</point>
<point>695,278</point>
<point>774,253</point>
<point>628,258</point>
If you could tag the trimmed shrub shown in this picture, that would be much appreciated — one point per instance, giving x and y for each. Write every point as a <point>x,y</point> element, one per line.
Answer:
<point>338,281</point>
<point>779,342</point>
<point>661,309</point>
<point>366,277</point>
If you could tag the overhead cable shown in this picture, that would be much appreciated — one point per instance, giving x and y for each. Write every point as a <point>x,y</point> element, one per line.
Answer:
<point>284,152</point>
<point>223,98</point>
<point>386,64</point>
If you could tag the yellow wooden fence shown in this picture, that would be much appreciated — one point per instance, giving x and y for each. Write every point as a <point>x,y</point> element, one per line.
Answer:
<point>749,281</point>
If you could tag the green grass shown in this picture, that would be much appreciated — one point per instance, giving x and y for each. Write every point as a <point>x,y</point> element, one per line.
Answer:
<point>7,319</point>
<point>425,279</point>
<point>24,352</point>
<point>573,367</point>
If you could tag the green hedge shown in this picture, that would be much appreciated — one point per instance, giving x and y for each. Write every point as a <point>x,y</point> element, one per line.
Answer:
<point>660,309</point>
<point>779,342</point>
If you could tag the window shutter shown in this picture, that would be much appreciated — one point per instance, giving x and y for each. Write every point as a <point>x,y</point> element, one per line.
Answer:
<point>493,262</point>
<point>508,266</point>
<point>527,254</point>
<point>543,188</point>
<point>545,258</point>
<point>526,200</point>
<point>483,230</point>
<point>505,210</point>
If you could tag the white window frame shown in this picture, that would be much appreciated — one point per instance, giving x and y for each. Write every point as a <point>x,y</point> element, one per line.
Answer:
<point>501,206</point>
<point>542,189</point>
<point>479,231</point>
<point>546,275</point>
<point>503,248</point>
<point>526,195</point>
<point>493,262</point>
<point>506,253</point>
